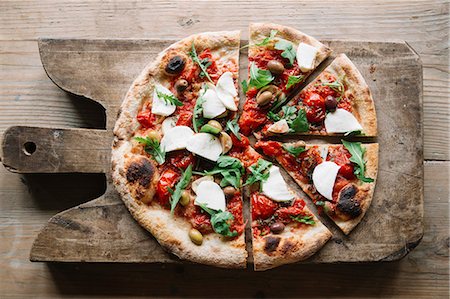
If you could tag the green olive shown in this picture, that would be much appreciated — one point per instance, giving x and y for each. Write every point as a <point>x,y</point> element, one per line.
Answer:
<point>181,85</point>
<point>154,135</point>
<point>196,236</point>
<point>185,198</point>
<point>215,124</point>
<point>223,114</point>
<point>229,191</point>
<point>275,67</point>
<point>226,142</point>
<point>264,98</point>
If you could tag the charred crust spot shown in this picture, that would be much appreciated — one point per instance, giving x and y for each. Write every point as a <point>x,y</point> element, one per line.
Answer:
<point>141,171</point>
<point>271,244</point>
<point>287,247</point>
<point>347,203</point>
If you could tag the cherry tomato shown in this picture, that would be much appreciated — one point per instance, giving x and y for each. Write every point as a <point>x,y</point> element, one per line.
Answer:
<point>262,206</point>
<point>146,118</point>
<point>270,148</point>
<point>182,159</point>
<point>315,107</point>
<point>167,179</point>
<point>284,214</point>
<point>346,171</point>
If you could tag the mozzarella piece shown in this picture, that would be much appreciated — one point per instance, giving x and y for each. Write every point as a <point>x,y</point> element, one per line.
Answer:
<point>306,56</point>
<point>226,91</point>
<point>197,182</point>
<point>275,187</point>
<point>159,106</point>
<point>323,149</point>
<point>323,178</point>
<point>176,138</point>
<point>205,145</point>
<point>279,127</point>
<point>341,121</point>
<point>211,195</point>
<point>169,123</point>
<point>212,106</point>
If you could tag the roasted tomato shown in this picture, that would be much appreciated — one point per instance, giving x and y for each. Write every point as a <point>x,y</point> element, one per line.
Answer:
<point>284,214</point>
<point>168,178</point>
<point>315,107</point>
<point>146,118</point>
<point>201,221</point>
<point>262,206</point>
<point>347,171</point>
<point>181,159</point>
<point>270,148</point>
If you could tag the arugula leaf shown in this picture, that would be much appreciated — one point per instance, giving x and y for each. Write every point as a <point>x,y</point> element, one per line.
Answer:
<point>179,187</point>
<point>266,40</point>
<point>244,86</point>
<point>300,123</point>
<point>152,147</point>
<point>169,99</point>
<point>288,113</point>
<point>219,221</point>
<point>303,219</point>
<point>288,50</point>
<point>234,128</point>
<point>293,150</point>
<point>292,80</point>
<point>352,133</point>
<point>231,169</point>
<point>197,118</point>
<point>258,77</point>
<point>203,64</point>
<point>259,172</point>
<point>357,152</point>
<point>338,86</point>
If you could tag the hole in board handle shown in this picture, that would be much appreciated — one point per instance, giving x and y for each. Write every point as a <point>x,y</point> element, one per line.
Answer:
<point>29,148</point>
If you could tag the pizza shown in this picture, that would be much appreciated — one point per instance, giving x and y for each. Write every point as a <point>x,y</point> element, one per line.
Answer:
<point>338,177</point>
<point>185,167</point>
<point>337,102</point>
<point>280,58</point>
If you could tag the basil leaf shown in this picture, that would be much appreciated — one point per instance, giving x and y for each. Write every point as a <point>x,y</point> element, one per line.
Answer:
<point>231,169</point>
<point>288,112</point>
<point>266,40</point>
<point>293,80</point>
<point>197,118</point>
<point>169,99</point>
<point>288,50</point>
<point>300,123</point>
<point>357,152</point>
<point>179,187</point>
<point>244,86</point>
<point>293,150</point>
<point>152,147</point>
<point>203,64</point>
<point>303,219</point>
<point>259,172</point>
<point>219,222</point>
<point>234,128</point>
<point>258,77</point>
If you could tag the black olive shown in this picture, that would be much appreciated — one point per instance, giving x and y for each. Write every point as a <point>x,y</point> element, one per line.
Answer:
<point>277,228</point>
<point>175,65</point>
<point>331,103</point>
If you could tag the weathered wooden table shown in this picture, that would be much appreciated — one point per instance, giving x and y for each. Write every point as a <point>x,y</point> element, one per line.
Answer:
<point>29,98</point>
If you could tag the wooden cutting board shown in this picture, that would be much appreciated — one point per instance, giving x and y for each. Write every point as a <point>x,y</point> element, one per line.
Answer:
<point>102,230</point>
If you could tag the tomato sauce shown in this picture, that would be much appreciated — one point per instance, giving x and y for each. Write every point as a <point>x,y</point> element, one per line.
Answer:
<point>235,206</point>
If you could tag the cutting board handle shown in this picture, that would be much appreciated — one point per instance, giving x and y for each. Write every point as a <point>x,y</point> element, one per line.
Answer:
<point>51,150</point>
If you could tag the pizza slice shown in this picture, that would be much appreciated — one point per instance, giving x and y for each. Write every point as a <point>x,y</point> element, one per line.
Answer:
<point>337,102</point>
<point>280,58</point>
<point>171,129</point>
<point>339,177</point>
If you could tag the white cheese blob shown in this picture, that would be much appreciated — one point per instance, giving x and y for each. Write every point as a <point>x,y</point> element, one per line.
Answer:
<point>306,56</point>
<point>197,182</point>
<point>176,138</point>
<point>323,150</point>
<point>275,187</point>
<point>212,105</point>
<point>226,91</point>
<point>279,127</point>
<point>324,176</point>
<point>169,123</point>
<point>160,106</point>
<point>205,145</point>
<point>341,121</point>
<point>211,195</point>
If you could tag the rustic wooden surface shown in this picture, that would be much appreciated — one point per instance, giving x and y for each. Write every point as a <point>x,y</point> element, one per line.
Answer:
<point>102,230</point>
<point>29,98</point>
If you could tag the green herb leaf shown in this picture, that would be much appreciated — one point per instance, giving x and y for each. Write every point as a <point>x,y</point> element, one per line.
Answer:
<point>231,169</point>
<point>294,150</point>
<point>169,98</point>
<point>293,80</point>
<point>259,172</point>
<point>234,128</point>
<point>197,117</point>
<point>153,148</point>
<point>266,40</point>
<point>304,219</point>
<point>300,123</point>
<point>357,151</point>
<point>203,64</point>
<point>288,50</point>
<point>244,86</point>
<point>179,187</point>
<point>258,77</point>
<point>219,221</point>
<point>338,86</point>
<point>320,203</point>
<point>353,133</point>
<point>273,116</point>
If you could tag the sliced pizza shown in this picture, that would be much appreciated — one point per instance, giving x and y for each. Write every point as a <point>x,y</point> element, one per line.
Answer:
<point>339,177</point>
<point>280,58</point>
<point>171,127</point>
<point>337,102</point>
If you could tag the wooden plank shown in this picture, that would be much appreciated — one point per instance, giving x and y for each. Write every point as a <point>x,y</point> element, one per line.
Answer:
<point>421,274</point>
